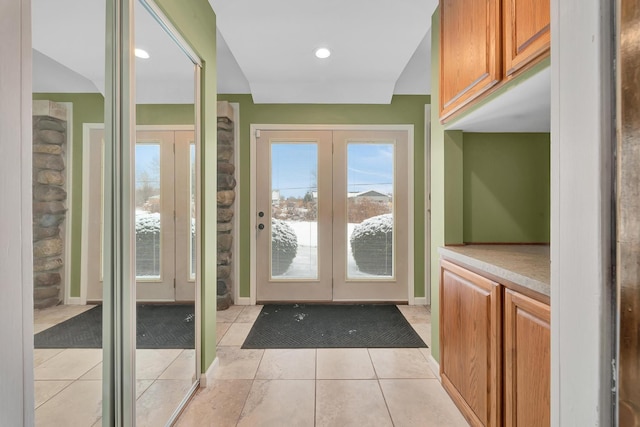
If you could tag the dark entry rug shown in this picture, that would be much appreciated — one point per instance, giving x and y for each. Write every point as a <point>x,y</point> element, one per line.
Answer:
<point>158,326</point>
<point>331,326</point>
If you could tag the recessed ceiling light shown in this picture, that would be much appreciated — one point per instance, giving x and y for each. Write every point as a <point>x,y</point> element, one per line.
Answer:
<point>141,53</point>
<point>323,53</point>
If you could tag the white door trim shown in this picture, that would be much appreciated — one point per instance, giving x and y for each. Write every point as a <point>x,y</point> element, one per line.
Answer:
<point>86,156</point>
<point>67,299</point>
<point>252,193</point>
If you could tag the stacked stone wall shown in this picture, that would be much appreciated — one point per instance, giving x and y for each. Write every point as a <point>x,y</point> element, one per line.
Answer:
<point>226,196</point>
<point>49,208</point>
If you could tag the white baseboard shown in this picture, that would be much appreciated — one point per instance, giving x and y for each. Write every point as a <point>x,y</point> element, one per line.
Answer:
<point>73,301</point>
<point>435,367</point>
<point>242,301</point>
<point>207,377</point>
<point>420,301</point>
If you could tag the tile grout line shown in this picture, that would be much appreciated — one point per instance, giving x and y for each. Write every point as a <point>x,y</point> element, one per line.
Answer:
<point>253,380</point>
<point>315,390</point>
<point>59,391</point>
<point>386,404</point>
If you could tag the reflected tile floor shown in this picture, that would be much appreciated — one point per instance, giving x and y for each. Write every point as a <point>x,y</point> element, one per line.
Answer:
<point>68,382</point>
<point>320,387</point>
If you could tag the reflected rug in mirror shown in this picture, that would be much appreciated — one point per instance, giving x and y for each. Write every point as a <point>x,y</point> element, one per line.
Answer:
<point>331,326</point>
<point>158,326</point>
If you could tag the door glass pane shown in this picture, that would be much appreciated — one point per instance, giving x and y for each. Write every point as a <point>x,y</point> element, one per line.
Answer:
<point>294,213</point>
<point>148,220</point>
<point>192,211</point>
<point>370,210</point>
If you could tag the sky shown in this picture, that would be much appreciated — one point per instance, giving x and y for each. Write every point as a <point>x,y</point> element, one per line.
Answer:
<point>370,167</point>
<point>294,168</point>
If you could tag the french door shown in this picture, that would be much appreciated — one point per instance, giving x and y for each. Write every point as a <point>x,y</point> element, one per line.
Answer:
<point>332,216</point>
<point>164,194</point>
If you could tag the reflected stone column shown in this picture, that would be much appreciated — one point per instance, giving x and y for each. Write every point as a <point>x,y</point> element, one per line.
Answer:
<point>49,201</point>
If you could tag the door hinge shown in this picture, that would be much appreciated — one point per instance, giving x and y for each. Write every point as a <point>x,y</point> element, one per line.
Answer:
<point>257,133</point>
<point>174,283</point>
<point>174,215</point>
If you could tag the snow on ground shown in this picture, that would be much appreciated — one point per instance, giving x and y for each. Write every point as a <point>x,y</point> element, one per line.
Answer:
<point>305,264</point>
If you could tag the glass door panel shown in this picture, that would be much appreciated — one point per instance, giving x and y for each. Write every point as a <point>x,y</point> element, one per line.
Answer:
<point>148,202</point>
<point>294,216</point>
<point>185,211</point>
<point>370,184</point>
<point>370,223</point>
<point>293,223</point>
<point>192,211</point>
<point>154,211</point>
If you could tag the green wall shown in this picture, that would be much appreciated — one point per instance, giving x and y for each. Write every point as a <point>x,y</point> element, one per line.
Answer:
<point>445,187</point>
<point>163,114</point>
<point>402,110</point>
<point>506,188</point>
<point>87,108</point>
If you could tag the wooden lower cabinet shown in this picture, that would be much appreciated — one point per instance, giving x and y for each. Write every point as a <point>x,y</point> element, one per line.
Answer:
<point>527,361</point>
<point>470,343</point>
<point>494,350</point>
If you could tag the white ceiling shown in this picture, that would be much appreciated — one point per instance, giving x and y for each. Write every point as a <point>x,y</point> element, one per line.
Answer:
<point>372,41</point>
<point>379,48</point>
<point>265,48</point>
<point>69,53</point>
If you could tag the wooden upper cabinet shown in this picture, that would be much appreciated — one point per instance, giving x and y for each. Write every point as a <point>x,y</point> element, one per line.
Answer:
<point>527,361</point>
<point>470,51</point>
<point>527,34</point>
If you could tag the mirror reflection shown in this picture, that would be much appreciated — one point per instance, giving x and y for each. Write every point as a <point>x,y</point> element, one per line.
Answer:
<point>164,222</point>
<point>69,86</point>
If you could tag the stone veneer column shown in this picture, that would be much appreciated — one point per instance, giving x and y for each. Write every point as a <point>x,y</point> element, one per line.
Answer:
<point>49,200</point>
<point>225,197</point>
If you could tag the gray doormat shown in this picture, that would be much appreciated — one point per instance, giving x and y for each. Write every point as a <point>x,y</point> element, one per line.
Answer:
<point>331,326</point>
<point>158,326</point>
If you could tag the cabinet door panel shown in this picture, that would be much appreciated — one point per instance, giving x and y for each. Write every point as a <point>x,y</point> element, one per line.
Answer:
<point>470,343</point>
<point>527,344</point>
<point>526,32</point>
<point>470,55</point>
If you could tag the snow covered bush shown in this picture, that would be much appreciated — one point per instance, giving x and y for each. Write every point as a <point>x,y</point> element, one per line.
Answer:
<point>284,246</point>
<point>147,244</point>
<point>372,245</point>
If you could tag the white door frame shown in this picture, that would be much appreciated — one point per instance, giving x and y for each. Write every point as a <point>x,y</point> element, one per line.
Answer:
<point>86,155</point>
<point>410,176</point>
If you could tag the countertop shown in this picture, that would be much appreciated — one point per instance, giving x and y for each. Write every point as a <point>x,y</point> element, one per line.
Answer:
<point>524,265</point>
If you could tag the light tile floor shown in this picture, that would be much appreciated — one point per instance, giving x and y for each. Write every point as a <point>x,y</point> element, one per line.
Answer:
<point>68,382</point>
<point>320,387</point>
